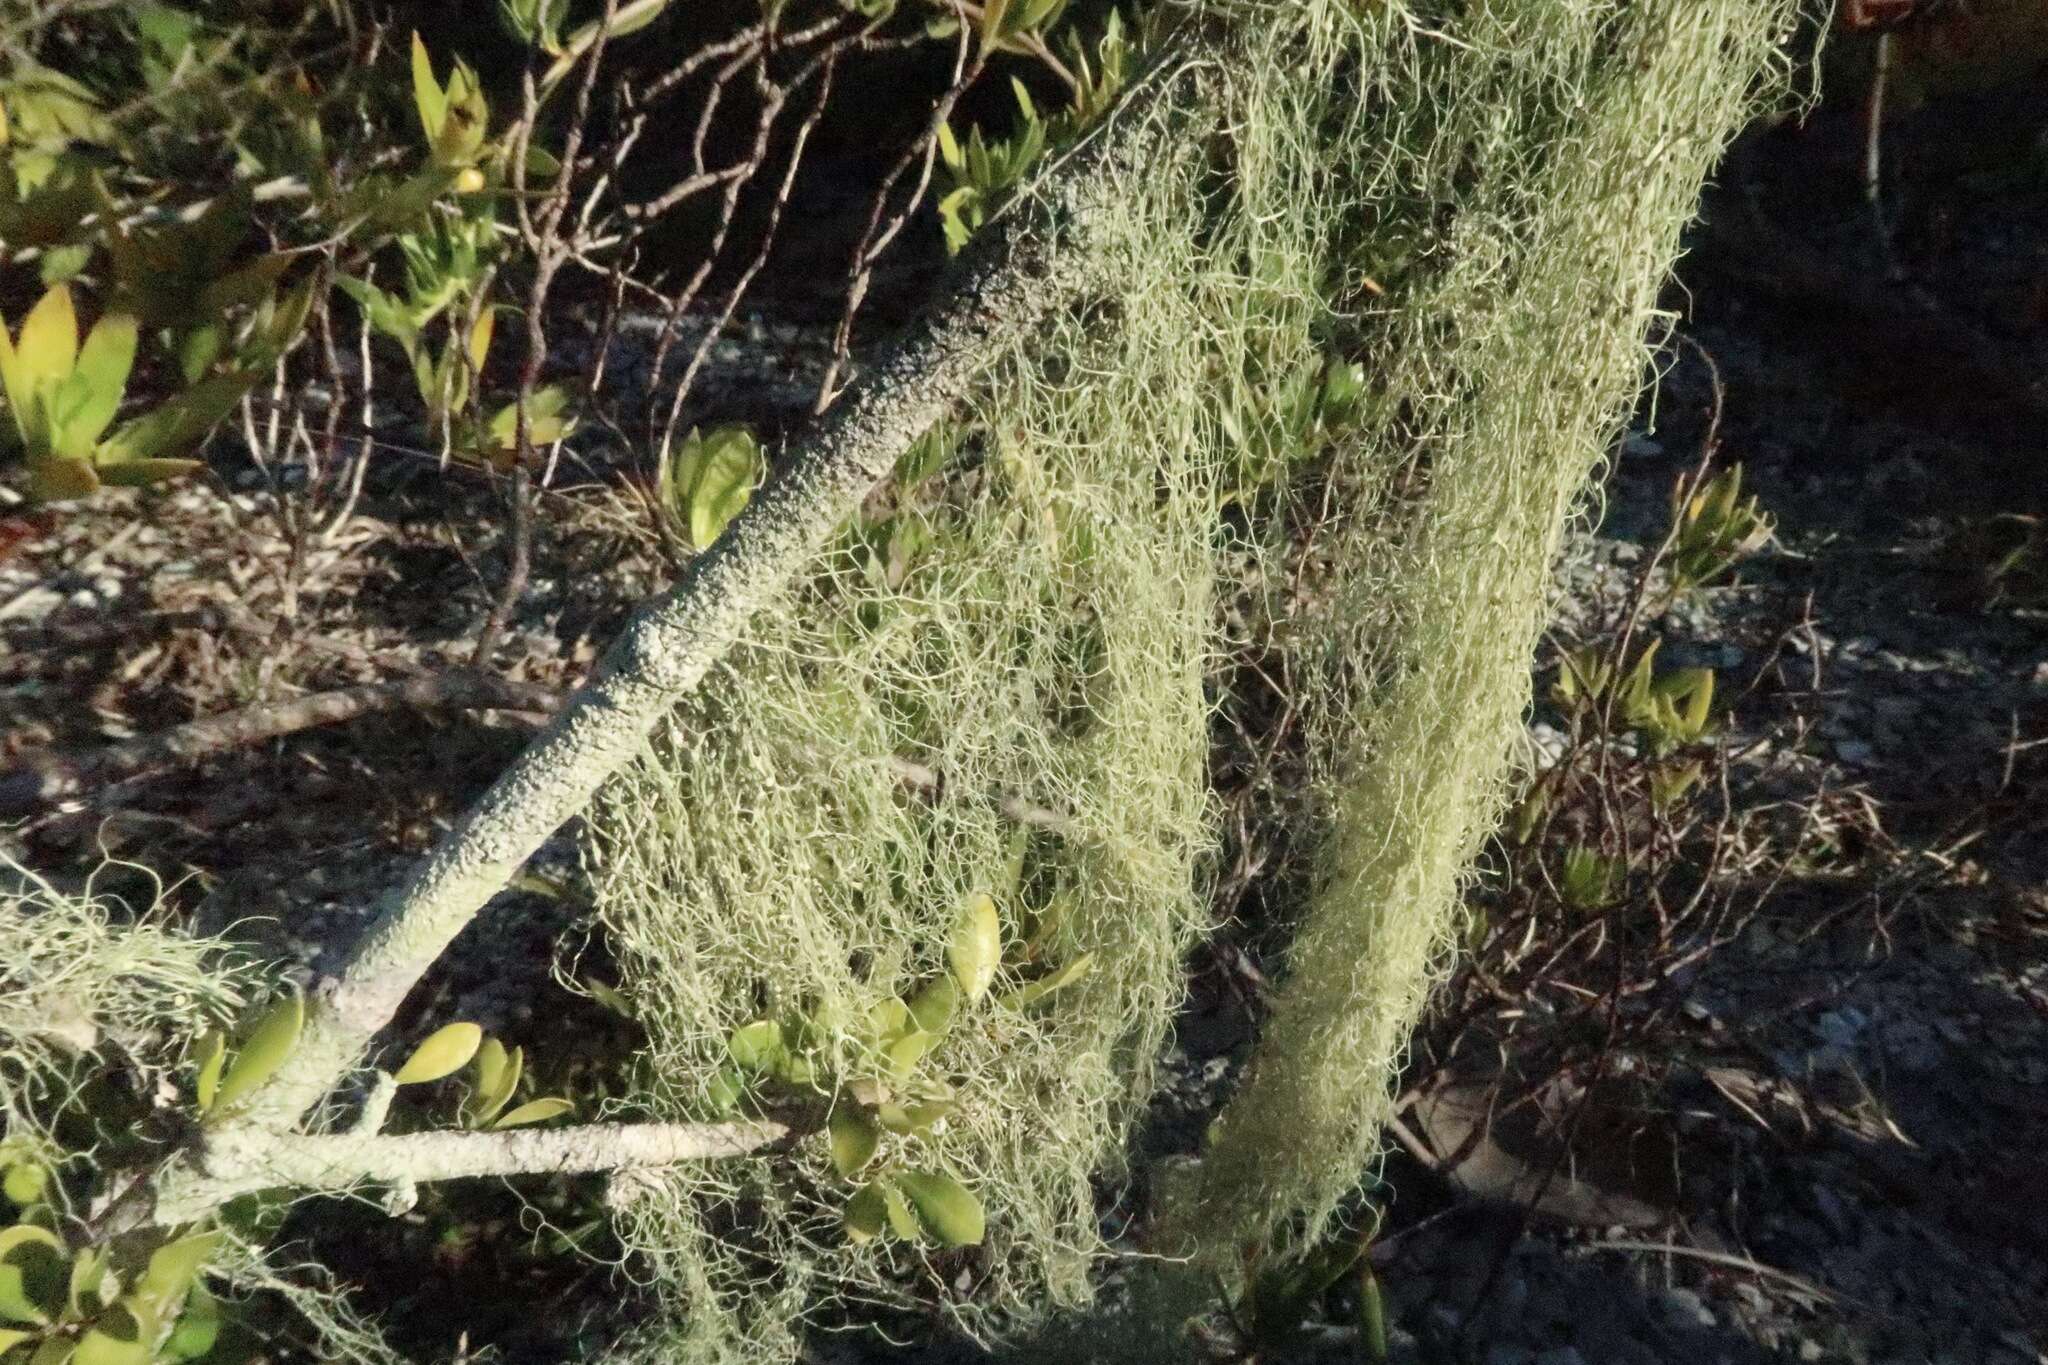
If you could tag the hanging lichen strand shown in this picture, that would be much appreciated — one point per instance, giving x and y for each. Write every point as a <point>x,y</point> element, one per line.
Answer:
<point>1521,170</point>
<point>991,686</point>
<point>1416,271</point>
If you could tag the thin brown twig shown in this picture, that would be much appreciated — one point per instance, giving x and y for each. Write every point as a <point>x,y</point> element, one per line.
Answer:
<point>46,778</point>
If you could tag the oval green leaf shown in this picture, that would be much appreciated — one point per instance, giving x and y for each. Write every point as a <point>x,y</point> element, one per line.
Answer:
<point>175,1266</point>
<point>901,1220</point>
<point>498,1072</point>
<point>976,947</point>
<point>756,1046</point>
<point>945,1207</point>
<point>212,1053</point>
<point>888,1020</point>
<point>906,1052</point>
<point>867,1213</point>
<point>24,1183</point>
<point>272,1041</point>
<point>933,1007</point>
<point>34,1266</point>
<point>854,1136</point>
<point>444,1053</point>
<point>536,1111</point>
<point>491,1061</point>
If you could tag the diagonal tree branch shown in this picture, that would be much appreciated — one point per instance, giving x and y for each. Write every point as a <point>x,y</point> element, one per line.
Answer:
<point>1042,257</point>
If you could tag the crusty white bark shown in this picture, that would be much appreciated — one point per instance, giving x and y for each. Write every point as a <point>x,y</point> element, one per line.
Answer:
<point>244,1160</point>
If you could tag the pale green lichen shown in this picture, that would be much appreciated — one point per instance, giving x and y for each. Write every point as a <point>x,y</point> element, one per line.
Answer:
<point>1476,201</point>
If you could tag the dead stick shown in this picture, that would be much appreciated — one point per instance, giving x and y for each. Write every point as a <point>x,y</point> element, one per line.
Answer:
<point>46,778</point>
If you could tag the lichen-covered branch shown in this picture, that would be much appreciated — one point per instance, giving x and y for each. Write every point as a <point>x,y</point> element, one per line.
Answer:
<point>241,1161</point>
<point>1031,263</point>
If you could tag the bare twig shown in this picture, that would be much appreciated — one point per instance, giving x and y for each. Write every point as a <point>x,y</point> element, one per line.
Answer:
<point>44,779</point>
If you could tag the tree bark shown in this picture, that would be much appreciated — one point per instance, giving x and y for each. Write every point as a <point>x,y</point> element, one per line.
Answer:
<point>246,1160</point>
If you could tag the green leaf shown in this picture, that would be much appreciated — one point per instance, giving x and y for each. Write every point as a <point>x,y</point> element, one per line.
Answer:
<point>118,1337</point>
<point>976,947</point>
<point>907,1051</point>
<point>212,1053</point>
<point>932,1008</point>
<point>901,1220</point>
<point>497,1077</point>
<point>757,1046</point>
<point>444,1053</point>
<point>54,1350</point>
<point>283,325</point>
<point>627,18</point>
<point>541,164</point>
<point>96,384</point>
<point>1069,972</point>
<point>270,1042</point>
<point>480,338</point>
<point>197,1329</point>
<point>245,286</point>
<point>427,95</point>
<point>33,1273</point>
<point>47,348</point>
<point>536,1111</point>
<point>492,1064</point>
<point>992,15</point>
<point>546,419</point>
<point>24,1182</point>
<point>913,1119</point>
<point>1372,1315</point>
<point>724,1091</point>
<point>174,1268</point>
<point>91,1284</point>
<point>867,1213</point>
<point>197,350</point>
<point>854,1137</point>
<point>464,120</point>
<point>609,997</point>
<point>632,17</point>
<point>175,426</point>
<point>945,1207</point>
<point>723,484</point>
<point>888,1020</point>
<point>11,1337</point>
